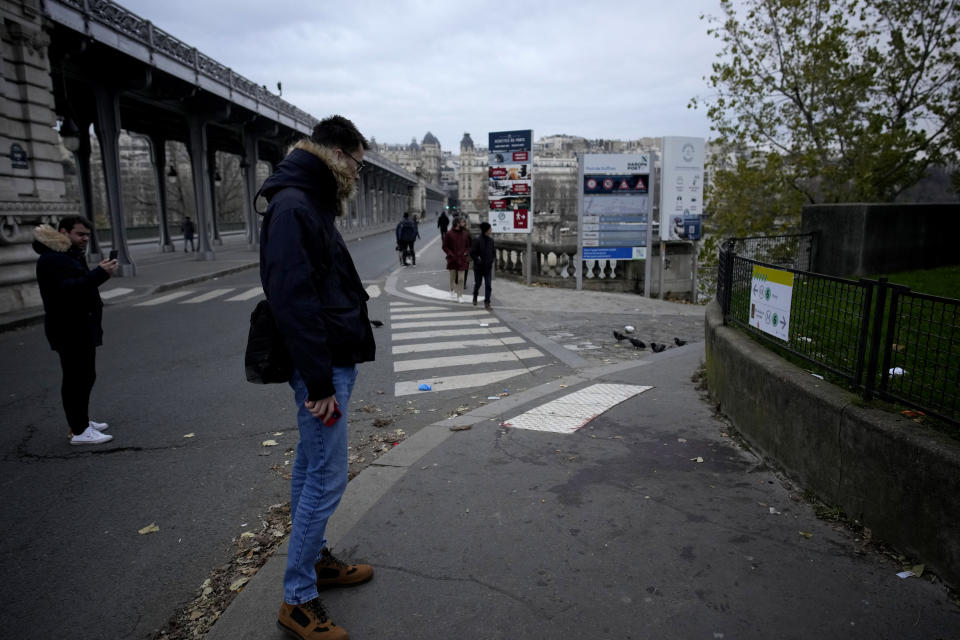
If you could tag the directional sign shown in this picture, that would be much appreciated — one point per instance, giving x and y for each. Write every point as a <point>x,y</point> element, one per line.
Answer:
<point>770,295</point>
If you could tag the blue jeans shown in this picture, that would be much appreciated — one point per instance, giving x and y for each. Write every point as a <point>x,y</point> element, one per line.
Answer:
<point>318,481</point>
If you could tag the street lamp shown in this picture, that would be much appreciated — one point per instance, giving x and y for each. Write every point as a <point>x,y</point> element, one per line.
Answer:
<point>70,135</point>
<point>172,174</point>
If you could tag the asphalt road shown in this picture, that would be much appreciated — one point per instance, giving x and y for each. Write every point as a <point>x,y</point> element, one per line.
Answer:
<point>186,455</point>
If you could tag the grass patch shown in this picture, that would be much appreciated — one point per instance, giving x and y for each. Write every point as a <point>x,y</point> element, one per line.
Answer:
<point>942,281</point>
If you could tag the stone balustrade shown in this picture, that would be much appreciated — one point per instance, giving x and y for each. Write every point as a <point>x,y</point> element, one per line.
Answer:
<point>556,264</point>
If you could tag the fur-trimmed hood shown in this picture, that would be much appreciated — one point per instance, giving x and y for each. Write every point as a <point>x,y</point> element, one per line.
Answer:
<point>313,168</point>
<point>47,238</point>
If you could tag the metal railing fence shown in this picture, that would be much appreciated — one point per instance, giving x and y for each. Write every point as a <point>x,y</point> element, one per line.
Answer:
<point>881,338</point>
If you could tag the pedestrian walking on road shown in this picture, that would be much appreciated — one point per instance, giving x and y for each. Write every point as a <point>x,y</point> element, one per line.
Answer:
<point>483,253</point>
<point>73,315</point>
<point>443,222</point>
<point>456,244</point>
<point>320,307</point>
<point>188,228</point>
<point>407,233</point>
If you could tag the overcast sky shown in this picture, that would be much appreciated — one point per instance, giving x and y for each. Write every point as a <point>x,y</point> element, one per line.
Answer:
<point>400,68</point>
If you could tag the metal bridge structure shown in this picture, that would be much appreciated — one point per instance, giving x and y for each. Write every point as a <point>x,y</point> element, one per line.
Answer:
<point>72,64</point>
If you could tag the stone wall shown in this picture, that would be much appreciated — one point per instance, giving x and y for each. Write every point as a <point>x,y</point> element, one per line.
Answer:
<point>862,239</point>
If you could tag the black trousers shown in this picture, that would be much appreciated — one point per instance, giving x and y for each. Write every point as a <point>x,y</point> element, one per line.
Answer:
<point>79,365</point>
<point>483,274</point>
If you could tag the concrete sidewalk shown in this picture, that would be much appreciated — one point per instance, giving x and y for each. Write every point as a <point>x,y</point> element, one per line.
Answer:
<point>647,522</point>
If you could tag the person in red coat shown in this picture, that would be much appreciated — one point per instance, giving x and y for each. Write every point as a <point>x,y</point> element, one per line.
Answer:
<point>456,244</point>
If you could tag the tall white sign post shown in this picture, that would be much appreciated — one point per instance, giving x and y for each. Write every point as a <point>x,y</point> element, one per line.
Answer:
<point>681,196</point>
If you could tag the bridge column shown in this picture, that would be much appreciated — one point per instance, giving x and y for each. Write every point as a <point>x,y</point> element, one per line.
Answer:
<point>201,184</point>
<point>77,141</point>
<point>211,179</point>
<point>158,149</point>
<point>362,189</point>
<point>248,165</point>
<point>107,127</point>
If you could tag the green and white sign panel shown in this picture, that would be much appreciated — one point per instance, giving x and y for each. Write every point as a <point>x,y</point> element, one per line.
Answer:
<point>770,296</point>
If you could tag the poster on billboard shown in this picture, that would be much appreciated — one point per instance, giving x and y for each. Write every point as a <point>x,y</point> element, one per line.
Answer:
<point>681,192</point>
<point>510,184</point>
<point>614,206</point>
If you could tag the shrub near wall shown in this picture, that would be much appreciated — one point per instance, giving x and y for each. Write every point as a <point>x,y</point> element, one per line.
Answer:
<point>890,474</point>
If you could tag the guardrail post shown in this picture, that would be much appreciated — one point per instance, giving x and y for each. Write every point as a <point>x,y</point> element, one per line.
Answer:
<point>875,339</point>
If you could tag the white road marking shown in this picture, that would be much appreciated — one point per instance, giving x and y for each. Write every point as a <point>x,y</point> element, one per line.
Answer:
<point>246,295</point>
<point>471,322</point>
<point>113,293</point>
<point>162,299</point>
<point>572,411</point>
<point>459,344</point>
<point>408,308</point>
<point>209,295</point>
<point>465,360</point>
<point>428,291</point>
<point>451,383</point>
<point>448,333</point>
<point>373,291</point>
<point>438,314</point>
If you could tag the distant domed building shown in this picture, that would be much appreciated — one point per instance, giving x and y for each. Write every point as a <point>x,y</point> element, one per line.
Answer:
<point>423,159</point>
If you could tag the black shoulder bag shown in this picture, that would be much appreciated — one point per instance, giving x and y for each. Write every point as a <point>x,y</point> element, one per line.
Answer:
<point>266,359</point>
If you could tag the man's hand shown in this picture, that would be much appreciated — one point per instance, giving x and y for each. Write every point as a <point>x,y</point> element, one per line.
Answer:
<point>321,409</point>
<point>110,266</point>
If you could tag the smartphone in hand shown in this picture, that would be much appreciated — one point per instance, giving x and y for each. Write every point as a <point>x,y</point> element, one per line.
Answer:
<point>113,254</point>
<point>332,420</point>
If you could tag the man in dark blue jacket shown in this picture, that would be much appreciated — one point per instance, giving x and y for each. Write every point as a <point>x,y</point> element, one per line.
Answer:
<point>407,234</point>
<point>319,304</point>
<point>72,315</point>
<point>483,252</point>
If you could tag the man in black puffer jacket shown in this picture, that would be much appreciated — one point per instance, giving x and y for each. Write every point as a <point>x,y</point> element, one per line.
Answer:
<point>72,315</point>
<point>320,307</point>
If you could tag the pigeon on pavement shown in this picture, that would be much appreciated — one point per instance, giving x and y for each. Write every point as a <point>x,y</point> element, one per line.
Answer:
<point>679,342</point>
<point>619,336</point>
<point>637,344</point>
<point>657,348</point>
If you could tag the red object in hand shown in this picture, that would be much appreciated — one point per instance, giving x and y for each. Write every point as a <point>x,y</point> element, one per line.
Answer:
<point>332,420</point>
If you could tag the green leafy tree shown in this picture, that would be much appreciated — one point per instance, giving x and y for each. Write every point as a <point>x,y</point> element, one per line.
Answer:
<point>828,101</point>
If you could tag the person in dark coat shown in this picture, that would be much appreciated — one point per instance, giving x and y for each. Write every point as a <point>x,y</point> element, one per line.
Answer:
<point>483,253</point>
<point>188,229</point>
<point>443,222</point>
<point>407,234</point>
<point>456,244</point>
<point>320,307</point>
<point>73,312</point>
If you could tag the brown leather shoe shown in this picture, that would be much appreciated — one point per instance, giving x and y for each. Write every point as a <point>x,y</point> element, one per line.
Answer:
<point>309,621</point>
<point>332,572</point>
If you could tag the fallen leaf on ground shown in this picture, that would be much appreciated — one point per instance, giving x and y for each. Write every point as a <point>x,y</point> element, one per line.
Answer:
<point>269,443</point>
<point>806,534</point>
<point>463,427</point>
<point>150,528</point>
<point>697,459</point>
<point>237,584</point>
<point>189,435</point>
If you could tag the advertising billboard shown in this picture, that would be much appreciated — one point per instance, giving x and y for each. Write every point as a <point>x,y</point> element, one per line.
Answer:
<point>681,192</point>
<point>510,181</point>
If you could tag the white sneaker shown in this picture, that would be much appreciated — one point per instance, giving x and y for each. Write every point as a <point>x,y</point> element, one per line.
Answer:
<point>99,426</point>
<point>90,436</point>
<point>453,294</point>
<point>459,298</point>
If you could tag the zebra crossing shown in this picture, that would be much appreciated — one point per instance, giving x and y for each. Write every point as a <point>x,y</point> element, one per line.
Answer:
<point>429,352</point>
<point>191,296</point>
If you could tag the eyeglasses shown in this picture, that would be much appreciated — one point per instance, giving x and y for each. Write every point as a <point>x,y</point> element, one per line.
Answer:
<point>360,163</point>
